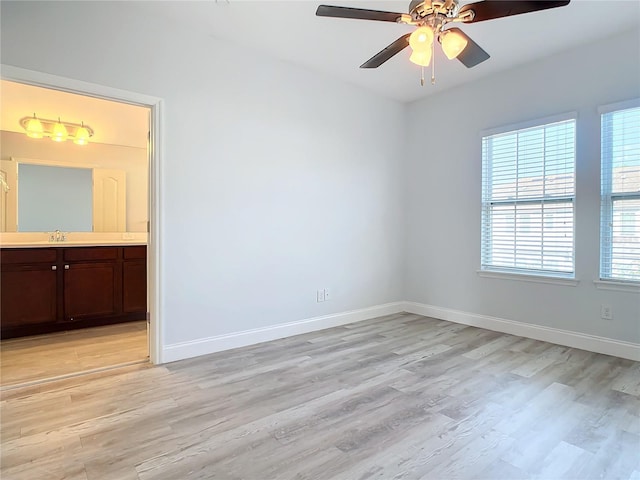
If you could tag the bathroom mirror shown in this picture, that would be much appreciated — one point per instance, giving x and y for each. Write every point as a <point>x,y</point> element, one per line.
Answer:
<point>54,198</point>
<point>41,197</point>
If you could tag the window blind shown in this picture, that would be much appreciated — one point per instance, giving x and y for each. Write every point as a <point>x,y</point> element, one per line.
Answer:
<point>620,195</point>
<point>528,189</point>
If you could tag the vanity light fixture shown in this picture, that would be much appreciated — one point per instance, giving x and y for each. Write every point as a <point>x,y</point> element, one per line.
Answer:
<point>56,130</point>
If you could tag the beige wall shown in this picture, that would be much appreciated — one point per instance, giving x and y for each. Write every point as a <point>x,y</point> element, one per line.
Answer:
<point>132,160</point>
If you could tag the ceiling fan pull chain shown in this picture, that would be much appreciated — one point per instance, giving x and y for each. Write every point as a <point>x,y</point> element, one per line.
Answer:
<point>422,76</point>
<point>433,64</point>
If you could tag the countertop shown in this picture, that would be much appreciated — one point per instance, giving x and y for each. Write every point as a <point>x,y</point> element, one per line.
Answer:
<point>72,239</point>
<point>112,243</point>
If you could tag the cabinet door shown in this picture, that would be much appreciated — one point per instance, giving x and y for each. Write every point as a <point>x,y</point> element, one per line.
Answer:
<point>28,295</point>
<point>90,290</point>
<point>134,286</point>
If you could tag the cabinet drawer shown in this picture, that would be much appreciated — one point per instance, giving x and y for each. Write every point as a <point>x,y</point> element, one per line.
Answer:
<point>139,251</point>
<point>28,255</point>
<point>90,253</point>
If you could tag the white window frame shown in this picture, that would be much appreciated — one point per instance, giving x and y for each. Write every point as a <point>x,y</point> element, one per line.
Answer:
<point>607,197</point>
<point>534,275</point>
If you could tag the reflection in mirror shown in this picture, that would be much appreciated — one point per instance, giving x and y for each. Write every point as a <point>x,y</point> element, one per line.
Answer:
<point>54,198</point>
<point>119,190</point>
<point>50,196</point>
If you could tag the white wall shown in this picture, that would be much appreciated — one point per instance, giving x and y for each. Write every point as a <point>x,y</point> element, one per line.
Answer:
<point>133,161</point>
<point>275,181</point>
<point>444,189</point>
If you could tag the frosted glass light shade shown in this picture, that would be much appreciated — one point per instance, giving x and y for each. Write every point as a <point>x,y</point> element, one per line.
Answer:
<point>453,43</point>
<point>421,39</point>
<point>34,128</point>
<point>59,133</point>
<point>82,136</point>
<point>422,57</point>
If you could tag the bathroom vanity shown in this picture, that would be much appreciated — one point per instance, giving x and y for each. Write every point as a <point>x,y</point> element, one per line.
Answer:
<point>58,287</point>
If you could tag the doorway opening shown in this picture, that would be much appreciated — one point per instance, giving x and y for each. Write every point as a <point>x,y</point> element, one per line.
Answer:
<point>75,341</point>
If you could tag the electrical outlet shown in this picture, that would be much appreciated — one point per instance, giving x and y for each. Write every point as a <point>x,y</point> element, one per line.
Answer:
<point>606,313</point>
<point>320,296</point>
<point>327,294</point>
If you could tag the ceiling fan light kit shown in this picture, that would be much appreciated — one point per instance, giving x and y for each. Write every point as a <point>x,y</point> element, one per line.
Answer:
<point>421,58</point>
<point>453,43</point>
<point>421,42</point>
<point>421,39</point>
<point>431,18</point>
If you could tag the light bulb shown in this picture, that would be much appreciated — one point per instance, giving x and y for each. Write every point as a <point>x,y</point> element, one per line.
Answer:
<point>453,43</point>
<point>422,57</point>
<point>82,136</point>
<point>59,133</point>
<point>421,39</point>
<point>34,128</point>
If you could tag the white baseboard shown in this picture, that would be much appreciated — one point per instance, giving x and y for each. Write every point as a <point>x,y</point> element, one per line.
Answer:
<point>592,343</point>
<point>204,346</point>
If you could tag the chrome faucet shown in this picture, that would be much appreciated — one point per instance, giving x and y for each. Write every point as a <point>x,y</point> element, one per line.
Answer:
<point>57,236</point>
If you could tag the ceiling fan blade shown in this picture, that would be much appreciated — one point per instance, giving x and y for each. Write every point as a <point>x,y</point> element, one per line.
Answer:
<point>357,13</point>
<point>490,9</point>
<point>388,52</point>
<point>473,54</point>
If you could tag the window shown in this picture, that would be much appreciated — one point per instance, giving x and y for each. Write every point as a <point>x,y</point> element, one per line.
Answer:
<point>528,188</point>
<point>620,195</point>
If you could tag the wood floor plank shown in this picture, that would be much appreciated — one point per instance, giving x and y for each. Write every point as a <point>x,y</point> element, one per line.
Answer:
<point>398,397</point>
<point>562,461</point>
<point>30,359</point>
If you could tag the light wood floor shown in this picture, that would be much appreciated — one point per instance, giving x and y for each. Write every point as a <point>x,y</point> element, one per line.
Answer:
<point>399,397</point>
<point>29,359</point>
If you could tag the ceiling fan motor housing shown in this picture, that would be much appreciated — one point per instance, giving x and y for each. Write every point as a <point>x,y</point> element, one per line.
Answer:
<point>418,9</point>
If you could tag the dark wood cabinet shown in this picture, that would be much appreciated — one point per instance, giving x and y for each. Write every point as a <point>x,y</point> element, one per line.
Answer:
<point>134,280</point>
<point>35,288</point>
<point>59,288</point>
<point>90,289</point>
<point>92,282</point>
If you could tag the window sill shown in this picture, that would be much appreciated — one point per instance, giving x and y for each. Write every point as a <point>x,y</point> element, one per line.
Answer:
<point>523,277</point>
<point>617,286</point>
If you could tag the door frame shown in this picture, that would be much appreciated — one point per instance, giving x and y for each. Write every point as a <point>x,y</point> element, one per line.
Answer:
<point>155,153</point>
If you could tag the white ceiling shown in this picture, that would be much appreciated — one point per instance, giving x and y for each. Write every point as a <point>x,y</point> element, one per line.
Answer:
<point>290,31</point>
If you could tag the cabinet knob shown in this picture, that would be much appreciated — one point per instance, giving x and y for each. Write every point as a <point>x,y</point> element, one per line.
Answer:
<point>66,267</point>
<point>54,267</point>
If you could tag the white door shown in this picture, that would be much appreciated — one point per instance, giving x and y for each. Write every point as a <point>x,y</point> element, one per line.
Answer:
<point>4,191</point>
<point>109,200</point>
<point>8,196</point>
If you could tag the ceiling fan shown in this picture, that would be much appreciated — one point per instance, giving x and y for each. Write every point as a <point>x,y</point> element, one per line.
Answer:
<point>431,17</point>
